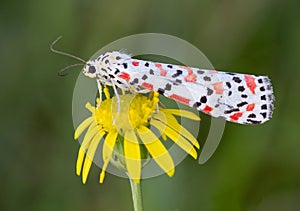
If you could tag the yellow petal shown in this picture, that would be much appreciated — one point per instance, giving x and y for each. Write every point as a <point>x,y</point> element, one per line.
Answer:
<point>107,151</point>
<point>93,130</point>
<point>86,169</point>
<point>83,126</point>
<point>176,137</point>
<point>132,155</point>
<point>171,121</point>
<point>182,113</point>
<point>102,175</point>
<point>90,155</point>
<point>157,150</point>
<point>164,136</point>
<point>90,107</point>
<point>79,162</point>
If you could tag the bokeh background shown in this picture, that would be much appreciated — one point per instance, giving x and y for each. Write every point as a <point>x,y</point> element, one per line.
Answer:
<point>254,167</point>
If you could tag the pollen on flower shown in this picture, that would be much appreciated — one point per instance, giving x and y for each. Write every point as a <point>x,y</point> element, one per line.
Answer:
<point>132,125</point>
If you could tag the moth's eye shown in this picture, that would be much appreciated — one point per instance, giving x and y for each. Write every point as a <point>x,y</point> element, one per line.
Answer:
<point>92,69</point>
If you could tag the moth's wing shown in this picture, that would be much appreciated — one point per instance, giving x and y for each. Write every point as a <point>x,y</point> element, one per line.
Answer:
<point>240,98</point>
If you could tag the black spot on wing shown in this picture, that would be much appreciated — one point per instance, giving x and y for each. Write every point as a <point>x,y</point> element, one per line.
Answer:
<point>177,82</point>
<point>232,110</point>
<point>203,99</point>
<point>264,107</point>
<point>241,88</point>
<point>263,97</point>
<point>241,104</point>
<point>206,78</point>
<point>253,121</point>
<point>168,87</point>
<point>209,91</point>
<point>135,81</point>
<point>178,73</point>
<point>230,73</point>
<point>237,79</point>
<point>161,91</point>
<point>251,116</point>
<point>125,65</point>
<point>228,85</point>
<point>264,114</point>
<point>196,105</point>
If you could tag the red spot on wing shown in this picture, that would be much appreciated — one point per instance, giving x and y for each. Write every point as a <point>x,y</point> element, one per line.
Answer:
<point>236,116</point>
<point>124,75</point>
<point>218,87</point>
<point>162,71</point>
<point>190,78</point>
<point>135,63</point>
<point>250,81</point>
<point>207,109</point>
<point>250,107</point>
<point>147,86</point>
<point>189,69</point>
<point>180,99</point>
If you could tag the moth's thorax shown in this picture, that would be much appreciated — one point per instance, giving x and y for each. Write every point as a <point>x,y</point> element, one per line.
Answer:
<point>104,64</point>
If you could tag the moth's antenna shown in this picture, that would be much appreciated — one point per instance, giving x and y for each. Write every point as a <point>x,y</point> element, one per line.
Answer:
<point>63,53</point>
<point>61,71</point>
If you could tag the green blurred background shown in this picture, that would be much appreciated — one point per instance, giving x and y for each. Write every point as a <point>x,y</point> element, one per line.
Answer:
<point>254,168</point>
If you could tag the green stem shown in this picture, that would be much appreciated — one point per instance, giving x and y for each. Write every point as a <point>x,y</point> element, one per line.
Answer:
<point>136,195</point>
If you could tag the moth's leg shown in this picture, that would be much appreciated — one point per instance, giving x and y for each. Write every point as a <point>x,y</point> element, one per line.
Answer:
<point>132,90</point>
<point>117,96</point>
<point>100,92</point>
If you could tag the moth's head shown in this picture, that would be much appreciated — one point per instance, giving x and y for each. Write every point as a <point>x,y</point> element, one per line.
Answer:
<point>90,69</point>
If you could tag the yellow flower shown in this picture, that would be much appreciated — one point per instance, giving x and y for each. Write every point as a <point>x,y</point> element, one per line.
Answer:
<point>132,124</point>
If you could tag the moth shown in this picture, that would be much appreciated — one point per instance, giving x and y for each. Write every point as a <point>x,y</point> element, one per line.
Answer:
<point>235,97</point>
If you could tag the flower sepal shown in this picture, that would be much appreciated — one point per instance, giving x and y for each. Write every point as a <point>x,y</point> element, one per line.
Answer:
<point>118,158</point>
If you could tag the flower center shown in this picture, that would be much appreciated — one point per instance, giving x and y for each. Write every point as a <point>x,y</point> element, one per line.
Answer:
<point>135,111</point>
